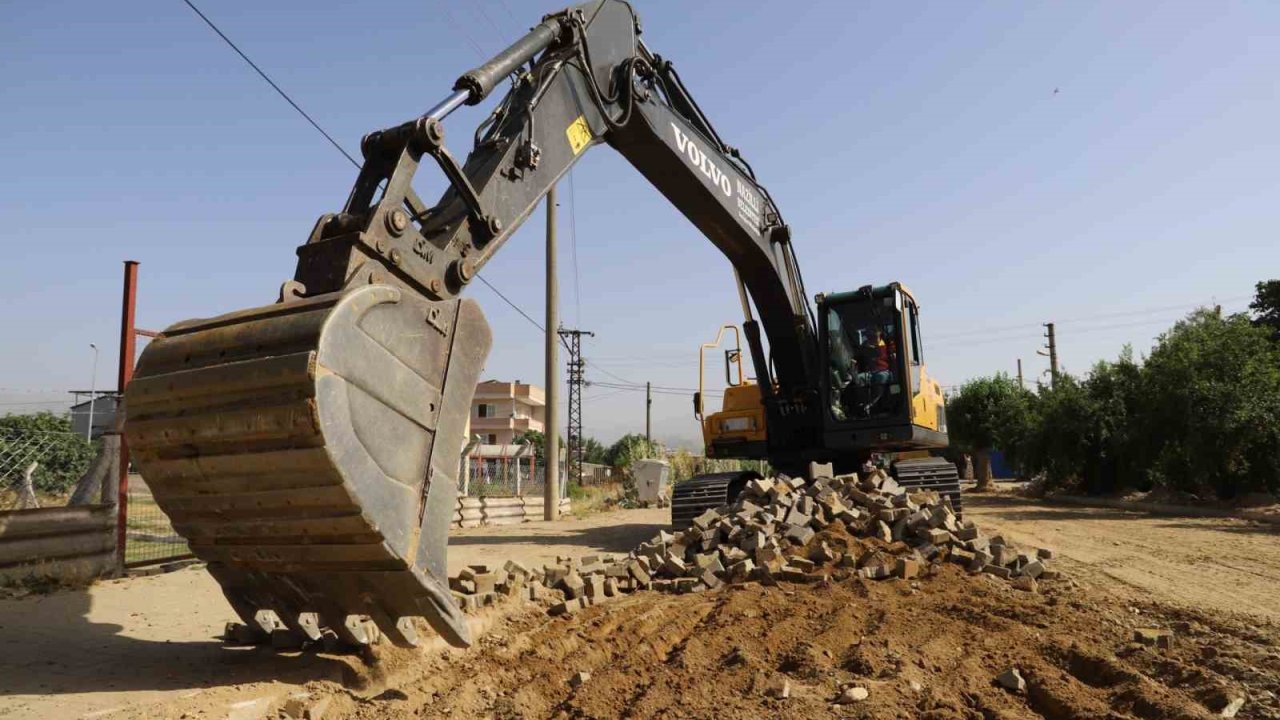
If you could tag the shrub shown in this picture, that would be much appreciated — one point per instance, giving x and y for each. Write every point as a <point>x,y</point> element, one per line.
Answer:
<point>47,439</point>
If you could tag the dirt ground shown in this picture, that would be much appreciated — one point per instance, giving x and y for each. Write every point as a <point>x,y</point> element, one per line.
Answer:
<point>1212,564</point>
<point>144,648</point>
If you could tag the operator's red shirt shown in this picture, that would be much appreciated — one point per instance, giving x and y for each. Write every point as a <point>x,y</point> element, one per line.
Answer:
<point>882,358</point>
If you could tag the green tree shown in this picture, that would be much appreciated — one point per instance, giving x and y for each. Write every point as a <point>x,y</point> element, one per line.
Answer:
<point>593,451</point>
<point>1116,393</point>
<point>990,413</point>
<point>1266,306</point>
<point>1212,387</point>
<point>630,448</point>
<point>63,455</point>
<point>1086,432</point>
<point>538,439</point>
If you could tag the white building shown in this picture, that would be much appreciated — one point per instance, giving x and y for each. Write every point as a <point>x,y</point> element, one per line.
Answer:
<point>502,410</point>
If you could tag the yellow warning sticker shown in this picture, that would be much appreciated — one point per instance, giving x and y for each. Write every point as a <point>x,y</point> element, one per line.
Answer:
<point>579,134</point>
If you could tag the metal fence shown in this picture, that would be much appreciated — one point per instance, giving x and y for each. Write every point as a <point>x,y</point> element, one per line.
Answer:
<point>506,477</point>
<point>150,537</point>
<point>22,453</point>
<point>47,531</point>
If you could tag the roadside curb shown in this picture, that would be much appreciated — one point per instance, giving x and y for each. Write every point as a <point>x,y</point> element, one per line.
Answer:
<point>1160,508</point>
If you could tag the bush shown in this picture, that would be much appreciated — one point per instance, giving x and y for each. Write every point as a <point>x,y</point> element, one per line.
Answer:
<point>1200,416</point>
<point>1086,433</point>
<point>685,465</point>
<point>1213,407</point>
<point>990,413</point>
<point>63,456</point>
<point>630,448</point>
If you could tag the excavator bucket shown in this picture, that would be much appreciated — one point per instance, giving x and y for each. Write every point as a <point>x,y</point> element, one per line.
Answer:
<point>309,452</point>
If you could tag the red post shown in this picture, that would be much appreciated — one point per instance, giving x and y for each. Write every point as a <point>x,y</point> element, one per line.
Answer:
<point>128,340</point>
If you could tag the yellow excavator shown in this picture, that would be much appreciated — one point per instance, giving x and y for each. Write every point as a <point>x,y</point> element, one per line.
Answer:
<point>308,449</point>
<point>880,402</point>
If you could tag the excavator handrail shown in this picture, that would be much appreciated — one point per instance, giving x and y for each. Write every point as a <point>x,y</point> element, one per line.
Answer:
<point>702,358</point>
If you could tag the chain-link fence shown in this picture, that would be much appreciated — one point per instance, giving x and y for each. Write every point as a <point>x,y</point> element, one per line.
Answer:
<point>506,477</point>
<point>37,467</point>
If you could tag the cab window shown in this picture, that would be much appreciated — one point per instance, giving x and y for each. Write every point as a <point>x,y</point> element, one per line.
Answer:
<point>864,342</point>
<point>913,316</point>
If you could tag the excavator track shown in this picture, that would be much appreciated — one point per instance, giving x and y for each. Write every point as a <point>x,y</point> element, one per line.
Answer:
<point>932,473</point>
<point>697,495</point>
<point>309,452</point>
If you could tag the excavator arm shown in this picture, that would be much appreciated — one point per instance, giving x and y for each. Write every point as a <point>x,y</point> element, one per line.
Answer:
<point>582,77</point>
<point>309,449</point>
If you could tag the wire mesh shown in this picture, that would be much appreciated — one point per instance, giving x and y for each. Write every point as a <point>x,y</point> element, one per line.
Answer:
<point>22,452</point>
<point>506,477</point>
<point>150,537</point>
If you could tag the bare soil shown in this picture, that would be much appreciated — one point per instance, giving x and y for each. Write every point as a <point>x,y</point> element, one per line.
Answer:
<point>926,649</point>
<point>1212,564</point>
<point>930,651</point>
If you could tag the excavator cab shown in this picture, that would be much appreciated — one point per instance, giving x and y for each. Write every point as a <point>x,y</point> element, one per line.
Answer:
<point>876,390</point>
<point>877,401</point>
<point>877,393</point>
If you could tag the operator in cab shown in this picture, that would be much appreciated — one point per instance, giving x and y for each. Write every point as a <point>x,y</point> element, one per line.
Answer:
<point>875,362</point>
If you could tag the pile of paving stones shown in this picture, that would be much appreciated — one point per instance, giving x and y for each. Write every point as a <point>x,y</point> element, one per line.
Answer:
<point>774,532</point>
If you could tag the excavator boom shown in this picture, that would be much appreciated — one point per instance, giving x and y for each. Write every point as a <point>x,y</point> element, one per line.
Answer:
<point>309,449</point>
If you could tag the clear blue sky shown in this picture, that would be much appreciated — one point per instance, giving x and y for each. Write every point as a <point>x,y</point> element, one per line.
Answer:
<point>922,142</point>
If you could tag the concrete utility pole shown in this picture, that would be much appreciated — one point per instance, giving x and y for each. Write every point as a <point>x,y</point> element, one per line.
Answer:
<point>1053,354</point>
<point>648,406</point>
<point>1020,383</point>
<point>551,489</point>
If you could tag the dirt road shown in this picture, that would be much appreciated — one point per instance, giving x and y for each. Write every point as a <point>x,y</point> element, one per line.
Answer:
<point>1206,563</point>
<point>145,647</point>
<point>148,641</point>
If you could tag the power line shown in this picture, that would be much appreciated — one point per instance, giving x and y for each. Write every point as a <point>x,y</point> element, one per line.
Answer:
<point>647,363</point>
<point>1091,318</point>
<point>656,388</point>
<point>271,82</point>
<point>33,403</point>
<point>448,14</point>
<point>507,8</point>
<point>330,138</point>
<point>632,359</point>
<point>507,300</point>
<point>952,343</point>
<point>615,376</point>
<point>601,396</point>
<point>480,7</point>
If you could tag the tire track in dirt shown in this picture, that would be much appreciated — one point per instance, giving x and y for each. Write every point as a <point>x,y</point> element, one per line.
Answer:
<point>1178,560</point>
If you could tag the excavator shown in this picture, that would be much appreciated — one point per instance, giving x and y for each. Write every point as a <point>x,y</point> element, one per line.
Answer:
<point>308,449</point>
<point>880,403</point>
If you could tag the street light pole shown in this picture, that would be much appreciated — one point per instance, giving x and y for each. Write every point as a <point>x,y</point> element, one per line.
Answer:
<point>93,391</point>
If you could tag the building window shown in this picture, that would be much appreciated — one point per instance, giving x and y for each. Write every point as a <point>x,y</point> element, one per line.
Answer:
<point>492,439</point>
<point>486,410</point>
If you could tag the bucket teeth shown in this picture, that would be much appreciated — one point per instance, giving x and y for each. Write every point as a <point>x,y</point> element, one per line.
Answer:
<point>309,623</point>
<point>309,452</point>
<point>406,634</point>
<point>357,630</point>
